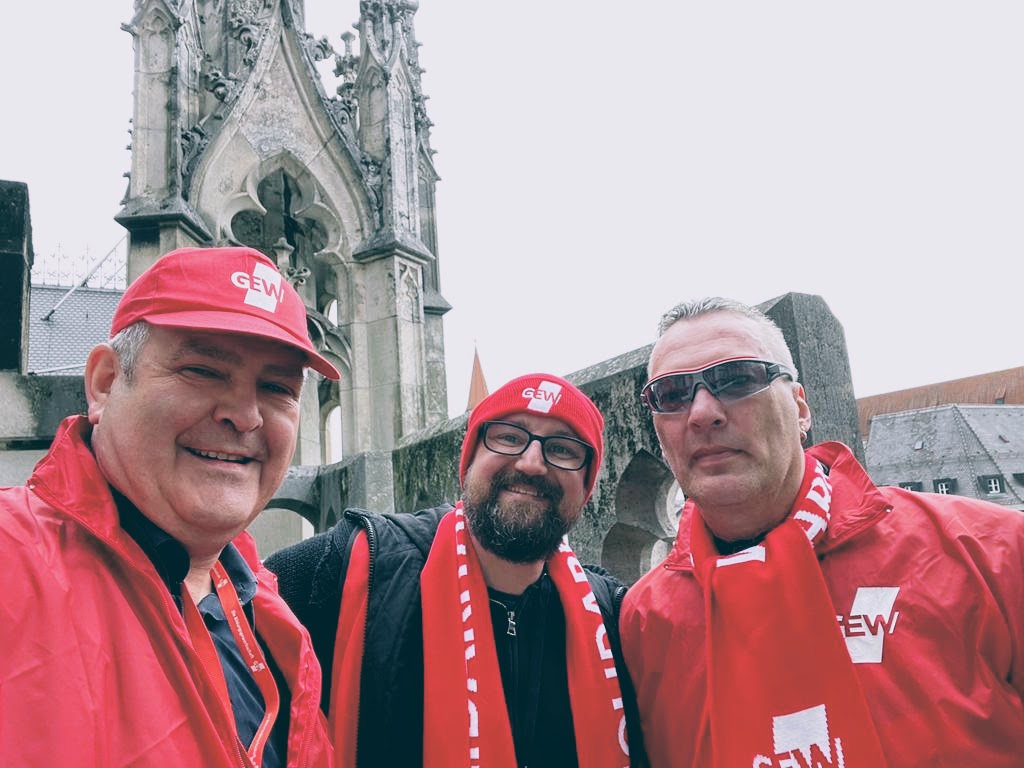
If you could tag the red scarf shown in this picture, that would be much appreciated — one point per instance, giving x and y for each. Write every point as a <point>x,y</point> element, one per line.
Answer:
<point>465,723</point>
<point>781,684</point>
<point>347,668</point>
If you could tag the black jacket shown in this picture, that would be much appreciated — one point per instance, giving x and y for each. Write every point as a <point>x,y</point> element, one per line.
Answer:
<point>311,576</point>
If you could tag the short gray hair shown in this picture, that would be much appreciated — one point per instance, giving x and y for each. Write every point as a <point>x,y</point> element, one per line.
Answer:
<point>128,343</point>
<point>689,310</point>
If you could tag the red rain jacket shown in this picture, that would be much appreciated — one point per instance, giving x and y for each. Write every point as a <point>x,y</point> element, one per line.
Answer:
<point>96,667</point>
<point>928,592</point>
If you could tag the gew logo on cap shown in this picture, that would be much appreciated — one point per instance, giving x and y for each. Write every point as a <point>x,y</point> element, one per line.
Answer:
<point>263,287</point>
<point>543,397</point>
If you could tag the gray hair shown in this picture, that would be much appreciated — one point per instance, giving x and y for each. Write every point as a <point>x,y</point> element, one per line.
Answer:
<point>689,310</point>
<point>128,343</point>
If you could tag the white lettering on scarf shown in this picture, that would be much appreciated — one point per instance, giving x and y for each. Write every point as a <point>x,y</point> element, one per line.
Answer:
<point>604,649</point>
<point>470,640</point>
<point>820,494</point>
<point>748,555</point>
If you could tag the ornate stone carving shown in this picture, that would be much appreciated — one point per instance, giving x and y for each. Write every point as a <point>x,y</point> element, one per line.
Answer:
<point>345,106</point>
<point>319,50</point>
<point>409,305</point>
<point>222,86</point>
<point>283,253</point>
<point>374,181</point>
<point>249,8</point>
<point>193,144</point>
<point>345,65</point>
<point>419,110</point>
<point>246,27</point>
<point>386,25</point>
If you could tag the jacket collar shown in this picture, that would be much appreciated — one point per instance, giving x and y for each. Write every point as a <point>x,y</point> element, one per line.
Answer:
<point>856,505</point>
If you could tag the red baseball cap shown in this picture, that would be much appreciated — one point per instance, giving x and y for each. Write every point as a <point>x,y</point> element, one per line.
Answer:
<point>232,290</point>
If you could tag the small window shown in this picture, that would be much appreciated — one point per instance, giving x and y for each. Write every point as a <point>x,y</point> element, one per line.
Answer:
<point>991,484</point>
<point>911,486</point>
<point>945,485</point>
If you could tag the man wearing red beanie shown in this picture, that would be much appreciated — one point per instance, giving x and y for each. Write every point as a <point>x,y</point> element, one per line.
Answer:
<point>473,636</point>
<point>137,625</point>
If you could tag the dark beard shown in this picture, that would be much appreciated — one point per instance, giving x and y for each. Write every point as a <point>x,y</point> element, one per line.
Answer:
<point>513,532</point>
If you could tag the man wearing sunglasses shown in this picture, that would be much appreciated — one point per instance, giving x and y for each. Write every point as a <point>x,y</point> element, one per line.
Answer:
<point>472,636</point>
<point>804,616</point>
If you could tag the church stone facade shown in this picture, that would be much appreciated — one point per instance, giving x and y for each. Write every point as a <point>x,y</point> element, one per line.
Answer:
<point>235,141</point>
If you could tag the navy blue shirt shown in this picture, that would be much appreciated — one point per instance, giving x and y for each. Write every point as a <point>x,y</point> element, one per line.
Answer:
<point>172,563</point>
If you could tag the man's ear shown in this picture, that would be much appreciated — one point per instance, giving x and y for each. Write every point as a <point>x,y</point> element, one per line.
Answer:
<point>102,369</point>
<point>803,409</point>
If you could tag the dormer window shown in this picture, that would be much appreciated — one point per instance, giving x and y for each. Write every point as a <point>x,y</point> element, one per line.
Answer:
<point>991,485</point>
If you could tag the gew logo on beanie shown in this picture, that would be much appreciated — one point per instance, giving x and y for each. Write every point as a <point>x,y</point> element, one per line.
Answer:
<point>263,287</point>
<point>543,397</point>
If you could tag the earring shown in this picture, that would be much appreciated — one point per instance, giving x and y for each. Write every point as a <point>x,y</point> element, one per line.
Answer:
<point>803,436</point>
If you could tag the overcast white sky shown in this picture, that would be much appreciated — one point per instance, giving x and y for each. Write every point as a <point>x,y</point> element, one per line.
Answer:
<point>601,161</point>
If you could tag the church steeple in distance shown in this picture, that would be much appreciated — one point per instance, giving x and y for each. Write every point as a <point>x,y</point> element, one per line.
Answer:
<point>477,383</point>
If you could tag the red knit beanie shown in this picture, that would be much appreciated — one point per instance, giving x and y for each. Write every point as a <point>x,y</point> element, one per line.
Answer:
<point>545,395</point>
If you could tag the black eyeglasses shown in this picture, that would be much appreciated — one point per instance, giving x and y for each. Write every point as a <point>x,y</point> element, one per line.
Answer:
<point>728,380</point>
<point>512,440</point>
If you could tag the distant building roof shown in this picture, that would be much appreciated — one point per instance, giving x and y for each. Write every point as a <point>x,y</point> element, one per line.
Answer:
<point>965,442</point>
<point>997,388</point>
<point>60,344</point>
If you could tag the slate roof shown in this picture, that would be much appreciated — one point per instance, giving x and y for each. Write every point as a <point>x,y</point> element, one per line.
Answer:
<point>65,339</point>
<point>961,442</point>
<point>999,387</point>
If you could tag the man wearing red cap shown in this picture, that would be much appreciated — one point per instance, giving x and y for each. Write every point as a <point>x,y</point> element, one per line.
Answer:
<point>472,636</point>
<point>138,626</point>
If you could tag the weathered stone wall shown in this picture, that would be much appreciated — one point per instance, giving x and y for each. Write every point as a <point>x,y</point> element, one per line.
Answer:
<point>15,264</point>
<point>426,466</point>
<point>31,409</point>
<point>818,344</point>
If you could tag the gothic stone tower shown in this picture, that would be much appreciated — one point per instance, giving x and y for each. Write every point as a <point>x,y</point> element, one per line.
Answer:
<point>234,141</point>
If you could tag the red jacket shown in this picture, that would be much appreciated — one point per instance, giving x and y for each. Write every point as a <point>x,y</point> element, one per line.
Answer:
<point>928,592</point>
<point>96,667</point>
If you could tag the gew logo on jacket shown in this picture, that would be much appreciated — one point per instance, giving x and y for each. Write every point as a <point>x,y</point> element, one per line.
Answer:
<point>801,740</point>
<point>542,397</point>
<point>262,288</point>
<point>871,618</point>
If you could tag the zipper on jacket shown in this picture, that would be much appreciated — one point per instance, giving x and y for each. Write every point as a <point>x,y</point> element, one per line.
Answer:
<point>510,630</point>
<point>617,598</point>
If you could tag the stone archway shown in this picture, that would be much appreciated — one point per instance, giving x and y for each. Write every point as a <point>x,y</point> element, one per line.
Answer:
<point>646,519</point>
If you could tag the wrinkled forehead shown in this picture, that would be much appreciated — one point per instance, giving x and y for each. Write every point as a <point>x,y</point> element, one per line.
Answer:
<point>697,342</point>
<point>229,348</point>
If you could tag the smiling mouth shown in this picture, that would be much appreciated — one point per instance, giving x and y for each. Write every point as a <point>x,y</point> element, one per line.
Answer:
<point>217,456</point>
<point>524,491</point>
